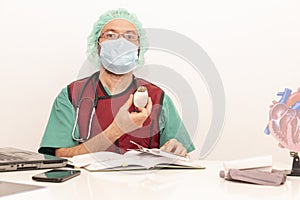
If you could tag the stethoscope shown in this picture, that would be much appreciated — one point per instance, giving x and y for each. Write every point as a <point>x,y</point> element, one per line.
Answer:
<point>95,78</point>
<point>79,100</point>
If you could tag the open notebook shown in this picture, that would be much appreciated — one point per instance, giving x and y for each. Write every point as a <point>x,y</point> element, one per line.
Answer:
<point>136,159</point>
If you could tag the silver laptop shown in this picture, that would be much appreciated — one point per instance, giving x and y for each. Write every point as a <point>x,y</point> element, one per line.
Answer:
<point>13,159</point>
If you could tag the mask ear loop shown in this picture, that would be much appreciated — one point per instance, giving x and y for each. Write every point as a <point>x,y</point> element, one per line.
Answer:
<point>139,52</point>
<point>98,48</point>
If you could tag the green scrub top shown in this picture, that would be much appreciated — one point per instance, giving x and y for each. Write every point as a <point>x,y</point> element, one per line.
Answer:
<point>60,124</point>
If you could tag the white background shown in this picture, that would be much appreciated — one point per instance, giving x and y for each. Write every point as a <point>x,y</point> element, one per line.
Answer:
<point>254,44</point>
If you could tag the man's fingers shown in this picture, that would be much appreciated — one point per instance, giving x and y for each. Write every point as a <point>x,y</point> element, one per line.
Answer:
<point>149,106</point>
<point>174,147</point>
<point>180,150</point>
<point>129,101</point>
<point>168,146</point>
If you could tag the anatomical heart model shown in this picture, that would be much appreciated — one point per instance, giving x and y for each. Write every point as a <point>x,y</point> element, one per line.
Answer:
<point>284,120</point>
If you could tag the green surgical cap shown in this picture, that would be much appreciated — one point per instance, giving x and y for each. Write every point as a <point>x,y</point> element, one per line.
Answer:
<point>92,51</point>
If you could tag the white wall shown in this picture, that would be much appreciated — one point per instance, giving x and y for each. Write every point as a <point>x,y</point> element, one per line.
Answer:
<point>254,44</point>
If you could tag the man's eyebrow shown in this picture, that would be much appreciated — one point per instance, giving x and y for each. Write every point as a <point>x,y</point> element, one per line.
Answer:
<point>110,30</point>
<point>114,30</point>
<point>132,31</point>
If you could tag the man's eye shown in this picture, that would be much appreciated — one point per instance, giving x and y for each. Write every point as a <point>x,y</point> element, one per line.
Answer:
<point>110,35</point>
<point>130,37</point>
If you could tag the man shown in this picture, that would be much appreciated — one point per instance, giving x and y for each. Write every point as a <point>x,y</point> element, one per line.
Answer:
<point>117,46</point>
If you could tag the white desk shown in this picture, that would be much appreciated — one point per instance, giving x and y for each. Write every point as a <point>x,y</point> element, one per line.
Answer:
<point>154,185</point>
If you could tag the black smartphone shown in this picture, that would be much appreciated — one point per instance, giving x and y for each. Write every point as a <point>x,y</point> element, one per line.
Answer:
<point>56,175</point>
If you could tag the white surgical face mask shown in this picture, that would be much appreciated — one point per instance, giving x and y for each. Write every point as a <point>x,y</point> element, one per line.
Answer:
<point>118,56</point>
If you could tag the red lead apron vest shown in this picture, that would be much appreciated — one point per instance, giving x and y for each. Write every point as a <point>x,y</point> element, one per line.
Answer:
<point>107,106</point>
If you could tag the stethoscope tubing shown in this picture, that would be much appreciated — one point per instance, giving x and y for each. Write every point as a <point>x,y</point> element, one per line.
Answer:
<point>81,140</point>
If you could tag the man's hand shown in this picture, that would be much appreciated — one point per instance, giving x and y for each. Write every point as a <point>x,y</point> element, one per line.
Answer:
<point>127,121</point>
<point>175,147</point>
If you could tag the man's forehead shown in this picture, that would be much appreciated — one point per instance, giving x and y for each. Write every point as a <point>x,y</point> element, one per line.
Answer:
<point>119,25</point>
